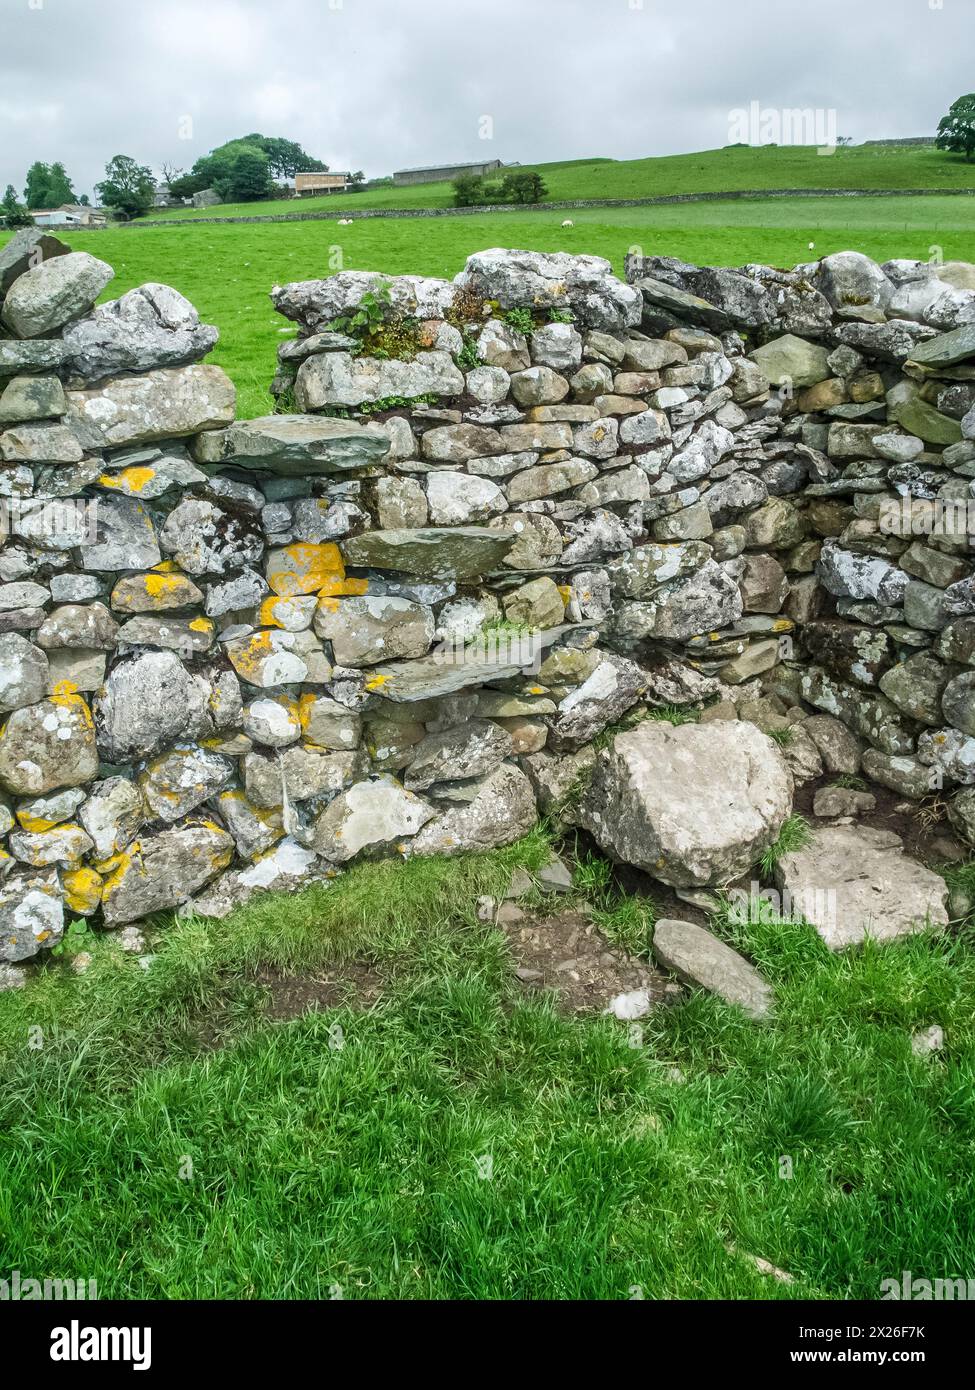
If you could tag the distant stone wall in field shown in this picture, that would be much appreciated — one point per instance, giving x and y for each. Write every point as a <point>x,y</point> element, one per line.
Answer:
<point>494,516</point>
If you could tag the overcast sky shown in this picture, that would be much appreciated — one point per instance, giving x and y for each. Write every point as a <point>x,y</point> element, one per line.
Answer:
<point>383,84</point>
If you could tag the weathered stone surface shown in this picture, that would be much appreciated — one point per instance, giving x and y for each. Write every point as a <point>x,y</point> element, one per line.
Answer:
<point>692,805</point>
<point>502,811</point>
<point>31,398</point>
<point>31,913</point>
<point>457,499</point>
<point>149,701</point>
<point>47,745</point>
<point>851,882</point>
<point>792,360</point>
<point>23,672</point>
<point>850,575</point>
<point>707,599</point>
<point>468,750</point>
<point>614,686</point>
<point>336,378</point>
<point>370,814</point>
<point>297,446</point>
<point>147,328</point>
<point>366,631</point>
<point>52,293</point>
<point>855,285</point>
<point>178,782</point>
<point>164,869</point>
<point>206,539</point>
<point>698,958</point>
<point>451,553</point>
<point>295,774</point>
<point>315,303</point>
<point>164,404</point>
<point>26,248</point>
<point>113,815</point>
<point>554,280</point>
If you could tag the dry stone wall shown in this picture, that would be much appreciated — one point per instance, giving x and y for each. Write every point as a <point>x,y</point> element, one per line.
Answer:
<point>491,518</point>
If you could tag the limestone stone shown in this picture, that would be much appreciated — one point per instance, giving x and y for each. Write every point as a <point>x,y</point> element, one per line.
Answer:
<point>457,499</point>
<point>31,913</point>
<point>693,804</point>
<point>792,360</point>
<point>370,814</point>
<point>164,404</point>
<point>48,745</point>
<point>585,285</point>
<point>164,869</point>
<point>699,958</point>
<point>337,378</point>
<point>449,553</point>
<point>147,328</point>
<point>502,811</point>
<point>149,702</point>
<point>294,446</point>
<point>52,293</point>
<point>23,672</point>
<point>366,631</point>
<point>113,814</point>
<point>179,781</point>
<point>853,882</point>
<point>469,750</point>
<point>31,398</point>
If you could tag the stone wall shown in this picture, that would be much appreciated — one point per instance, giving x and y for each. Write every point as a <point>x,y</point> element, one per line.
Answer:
<point>392,618</point>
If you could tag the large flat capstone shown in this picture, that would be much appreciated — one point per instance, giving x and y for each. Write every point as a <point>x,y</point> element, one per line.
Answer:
<point>851,882</point>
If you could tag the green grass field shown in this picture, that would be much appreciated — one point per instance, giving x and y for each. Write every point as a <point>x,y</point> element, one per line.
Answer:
<point>706,171</point>
<point>170,1138</point>
<point>227,271</point>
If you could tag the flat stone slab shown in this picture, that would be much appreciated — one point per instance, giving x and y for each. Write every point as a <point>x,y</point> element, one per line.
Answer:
<point>851,882</point>
<point>698,958</point>
<point>294,445</point>
<point>450,552</point>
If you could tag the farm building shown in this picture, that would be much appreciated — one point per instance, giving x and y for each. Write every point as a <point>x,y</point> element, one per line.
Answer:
<point>437,173</point>
<point>307,185</point>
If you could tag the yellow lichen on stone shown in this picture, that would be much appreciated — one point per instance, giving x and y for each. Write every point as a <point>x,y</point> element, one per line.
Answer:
<point>304,568</point>
<point>128,479</point>
<point>82,890</point>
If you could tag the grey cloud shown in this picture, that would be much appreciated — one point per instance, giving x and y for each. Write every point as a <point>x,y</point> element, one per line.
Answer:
<point>379,84</point>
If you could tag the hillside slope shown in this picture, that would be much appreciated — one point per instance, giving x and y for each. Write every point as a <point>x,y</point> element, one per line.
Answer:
<point>708,171</point>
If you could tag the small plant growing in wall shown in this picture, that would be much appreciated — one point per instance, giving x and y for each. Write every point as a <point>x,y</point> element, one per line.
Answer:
<point>521,320</point>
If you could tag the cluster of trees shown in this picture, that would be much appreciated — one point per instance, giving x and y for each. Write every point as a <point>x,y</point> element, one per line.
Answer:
<point>956,131</point>
<point>244,170</point>
<point>521,186</point>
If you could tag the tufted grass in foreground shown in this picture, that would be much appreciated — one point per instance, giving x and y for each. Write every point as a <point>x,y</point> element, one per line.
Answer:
<point>172,1140</point>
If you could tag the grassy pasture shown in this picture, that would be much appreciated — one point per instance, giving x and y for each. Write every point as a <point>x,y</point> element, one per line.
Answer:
<point>227,271</point>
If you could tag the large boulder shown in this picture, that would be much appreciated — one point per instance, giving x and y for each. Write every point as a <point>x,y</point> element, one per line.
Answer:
<point>693,805</point>
<point>53,293</point>
<point>554,280</point>
<point>851,882</point>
